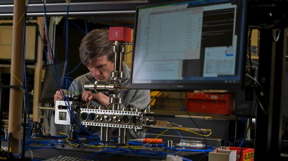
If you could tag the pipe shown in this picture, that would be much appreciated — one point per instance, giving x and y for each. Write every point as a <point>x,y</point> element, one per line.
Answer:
<point>78,3</point>
<point>16,95</point>
<point>87,3</point>
<point>72,13</point>
<point>38,70</point>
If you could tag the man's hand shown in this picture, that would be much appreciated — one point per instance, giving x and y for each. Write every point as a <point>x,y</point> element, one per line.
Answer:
<point>101,98</point>
<point>58,96</point>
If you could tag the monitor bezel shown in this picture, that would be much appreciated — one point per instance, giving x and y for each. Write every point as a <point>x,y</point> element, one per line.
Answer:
<point>241,47</point>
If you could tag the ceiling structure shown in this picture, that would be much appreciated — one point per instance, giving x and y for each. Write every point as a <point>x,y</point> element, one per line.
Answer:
<point>77,7</point>
<point>108,12</point>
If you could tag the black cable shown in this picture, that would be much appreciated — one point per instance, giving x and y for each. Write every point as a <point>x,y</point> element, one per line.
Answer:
<point>249,46</point>
<point>261,106</point>
<point>256,83</point>
<point>141,114</point>
<point>263,94</point>
<point>150,103</point>
<point>236,130</point>
<point>249,55</point>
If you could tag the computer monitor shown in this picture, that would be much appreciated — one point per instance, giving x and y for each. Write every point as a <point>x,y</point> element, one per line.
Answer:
<point>190,45</point>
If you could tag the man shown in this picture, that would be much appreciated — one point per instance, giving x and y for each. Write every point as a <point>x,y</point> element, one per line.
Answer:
<point>97,54</point>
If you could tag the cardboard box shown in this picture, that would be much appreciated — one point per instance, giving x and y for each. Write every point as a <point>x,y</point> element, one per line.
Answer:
<point>247,153</point>
<point>222,155</point>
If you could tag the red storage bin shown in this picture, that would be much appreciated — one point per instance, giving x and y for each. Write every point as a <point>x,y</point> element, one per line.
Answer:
<point>216,103</point>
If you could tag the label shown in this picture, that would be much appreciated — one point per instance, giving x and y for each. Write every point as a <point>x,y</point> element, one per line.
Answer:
<point>249,156</point>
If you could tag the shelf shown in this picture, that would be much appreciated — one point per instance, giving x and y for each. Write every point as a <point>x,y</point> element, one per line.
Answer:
<point>9,65</point>
<point>214,116</point>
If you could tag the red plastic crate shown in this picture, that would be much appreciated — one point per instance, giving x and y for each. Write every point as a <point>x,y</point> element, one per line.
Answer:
<point>216,103</point>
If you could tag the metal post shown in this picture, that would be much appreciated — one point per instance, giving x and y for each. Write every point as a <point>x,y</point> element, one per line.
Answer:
<point>38,69</point>
<point>105,134</point>
<point>271,77</point>
<point>123,136</point>
<point>117,56</point>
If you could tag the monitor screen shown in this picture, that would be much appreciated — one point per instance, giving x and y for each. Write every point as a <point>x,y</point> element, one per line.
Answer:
<point>190,45</point>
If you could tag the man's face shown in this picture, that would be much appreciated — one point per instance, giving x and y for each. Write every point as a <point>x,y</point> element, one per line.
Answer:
<point>101,68</point>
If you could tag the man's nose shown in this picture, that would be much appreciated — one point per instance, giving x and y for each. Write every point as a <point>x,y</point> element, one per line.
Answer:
<point>95,72</point>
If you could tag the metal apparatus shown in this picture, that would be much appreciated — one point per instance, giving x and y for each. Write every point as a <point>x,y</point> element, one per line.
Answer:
<point>115,115</point>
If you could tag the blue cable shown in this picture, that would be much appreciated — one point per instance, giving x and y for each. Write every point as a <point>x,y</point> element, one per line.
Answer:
<point>93,143</point>
<point>26,95</point>
<point>55,73</point>
<point>185,159</point>
<point>77,119</point>
<point>78,27</point>
<point>4,139</point>
<point>51,60</point>
<point>48,136</point>
<point>73,117</point>
<point>245,132</point>
<point>147,145</point>
<point>67,42</point>
<point>74,68</point>
<point>179,150</point>
<point>71,85</point>
<point>195,150</point>
<point>86,27</point>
